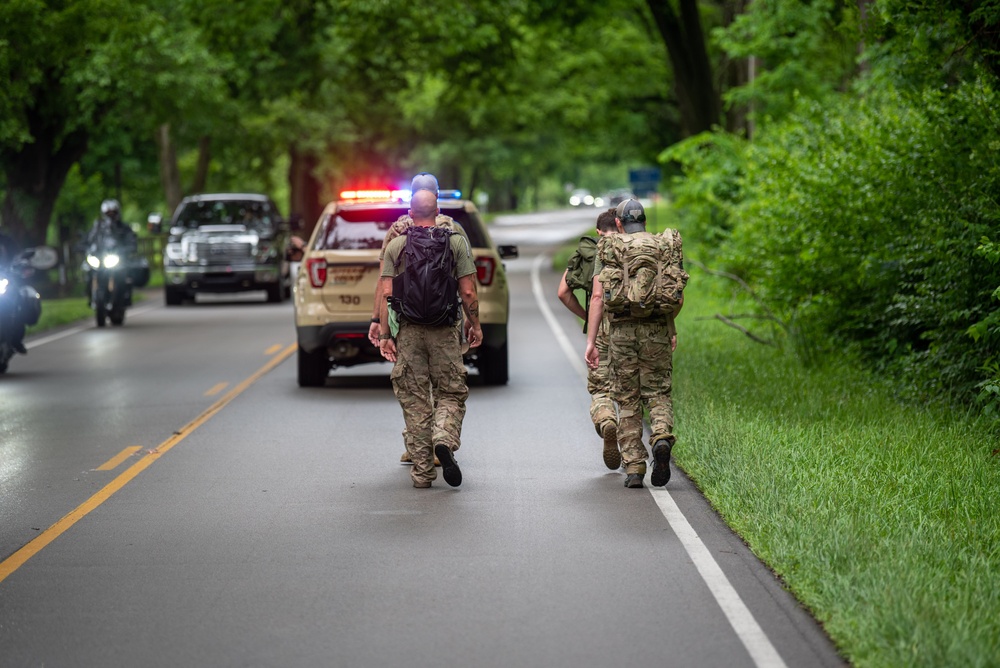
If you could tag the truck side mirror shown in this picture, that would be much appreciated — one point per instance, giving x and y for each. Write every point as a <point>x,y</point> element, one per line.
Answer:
<point>154,223</point>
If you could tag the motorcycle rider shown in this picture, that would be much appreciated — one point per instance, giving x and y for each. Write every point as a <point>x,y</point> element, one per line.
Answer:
<point>8,253</point>
<point>110,223</point>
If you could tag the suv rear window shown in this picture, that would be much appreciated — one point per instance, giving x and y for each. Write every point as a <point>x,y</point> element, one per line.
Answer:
<point>255,215</point>
<point>364,229</point>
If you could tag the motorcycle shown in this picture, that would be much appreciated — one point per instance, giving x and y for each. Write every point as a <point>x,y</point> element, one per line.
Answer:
<point>110,280</point>
<point>20,304</point>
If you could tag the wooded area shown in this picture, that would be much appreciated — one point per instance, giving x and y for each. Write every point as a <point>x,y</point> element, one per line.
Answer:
<point>837,156</point>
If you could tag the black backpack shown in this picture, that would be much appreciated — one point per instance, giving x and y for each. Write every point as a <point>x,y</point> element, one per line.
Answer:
<point>426,292</point>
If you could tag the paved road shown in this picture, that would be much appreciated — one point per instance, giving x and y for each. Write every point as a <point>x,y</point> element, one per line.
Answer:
<point>170,497</point>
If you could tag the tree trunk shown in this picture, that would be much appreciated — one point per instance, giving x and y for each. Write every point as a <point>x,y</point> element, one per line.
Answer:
<point>204,160</point>
<point>306,201</point>
<point>170,176</point>
<point>697,96</point>
<point>738,73</point>
<point>35,175</point>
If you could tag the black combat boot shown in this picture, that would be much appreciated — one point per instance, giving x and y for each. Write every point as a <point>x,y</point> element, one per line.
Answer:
<point>661,462</point>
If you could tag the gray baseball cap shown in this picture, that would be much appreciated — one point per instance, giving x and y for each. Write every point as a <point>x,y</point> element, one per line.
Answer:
<point>424,181</point>
<point>630,211</point>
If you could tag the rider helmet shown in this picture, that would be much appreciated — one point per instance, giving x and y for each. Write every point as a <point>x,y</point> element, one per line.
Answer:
<point>112,210</point>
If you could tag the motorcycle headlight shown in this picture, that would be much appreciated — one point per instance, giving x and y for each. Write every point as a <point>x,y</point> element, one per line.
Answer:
<point>93,261</point>
<point>111,261</point>
<point>3,285</point>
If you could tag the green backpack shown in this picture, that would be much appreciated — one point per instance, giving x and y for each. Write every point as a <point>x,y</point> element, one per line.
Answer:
<point>643,274</point>
<point>580,267</point>
<point>580,271</point>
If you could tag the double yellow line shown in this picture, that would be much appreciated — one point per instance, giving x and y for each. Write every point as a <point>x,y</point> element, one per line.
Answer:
<point>16,560</point>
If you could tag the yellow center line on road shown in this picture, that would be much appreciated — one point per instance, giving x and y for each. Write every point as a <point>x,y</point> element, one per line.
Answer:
<point>16,560</point>
<point>273,349</point>
<point>216,389</point>
<point>119,458</point>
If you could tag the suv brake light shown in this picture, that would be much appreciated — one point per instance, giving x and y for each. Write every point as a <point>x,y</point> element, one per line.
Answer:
<point>485,269</point>
<point>316,268</point>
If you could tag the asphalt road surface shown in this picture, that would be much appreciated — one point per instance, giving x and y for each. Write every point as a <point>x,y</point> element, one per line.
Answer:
<point>170,497</point>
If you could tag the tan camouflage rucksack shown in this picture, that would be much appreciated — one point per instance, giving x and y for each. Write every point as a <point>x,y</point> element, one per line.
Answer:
<point>643,274</point>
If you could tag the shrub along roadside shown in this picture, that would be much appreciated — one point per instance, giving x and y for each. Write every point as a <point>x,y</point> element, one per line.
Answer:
<point>882,518</point>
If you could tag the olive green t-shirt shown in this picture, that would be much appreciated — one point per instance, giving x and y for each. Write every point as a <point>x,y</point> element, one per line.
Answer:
<point>398,227</point>
<point>460,249</point>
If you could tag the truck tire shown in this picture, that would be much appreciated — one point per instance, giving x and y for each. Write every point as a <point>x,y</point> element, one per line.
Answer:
<point>173,297</point>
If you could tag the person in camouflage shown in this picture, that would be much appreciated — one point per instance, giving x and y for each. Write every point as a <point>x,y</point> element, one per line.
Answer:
<point>641,359</point>
<point>422,181</point>
<point>429,376</point>
<point>602,408</point>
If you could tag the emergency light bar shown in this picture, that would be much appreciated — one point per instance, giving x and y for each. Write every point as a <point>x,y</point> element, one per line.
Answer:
<point>392,195</point>
<point>398,195</point>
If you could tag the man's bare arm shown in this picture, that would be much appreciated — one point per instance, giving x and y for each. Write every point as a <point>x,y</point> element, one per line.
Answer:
<point>470,304</point>
<point>568,297</point>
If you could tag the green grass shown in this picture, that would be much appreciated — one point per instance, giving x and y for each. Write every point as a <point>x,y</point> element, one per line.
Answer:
<point>882,517</point>
<point>59,312</point>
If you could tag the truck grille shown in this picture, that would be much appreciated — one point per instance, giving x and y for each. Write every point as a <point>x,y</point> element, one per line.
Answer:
<point>223,253</point>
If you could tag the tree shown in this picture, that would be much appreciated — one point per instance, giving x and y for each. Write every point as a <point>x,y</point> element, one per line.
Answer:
<point>81,73</point>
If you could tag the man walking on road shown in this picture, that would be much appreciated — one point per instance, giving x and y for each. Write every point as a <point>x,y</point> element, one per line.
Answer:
<point>641,357</point>
<point>422,181</point>
<point>429,376</point>
<point>602,408</point>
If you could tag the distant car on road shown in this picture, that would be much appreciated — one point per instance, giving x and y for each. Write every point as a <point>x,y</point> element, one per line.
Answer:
<point>335,287</point>
<point>581,197</point>
<point>225,242</point>
<point>616,197</point>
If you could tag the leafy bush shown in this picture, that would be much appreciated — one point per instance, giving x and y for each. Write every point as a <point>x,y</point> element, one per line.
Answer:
<point>859,223</point>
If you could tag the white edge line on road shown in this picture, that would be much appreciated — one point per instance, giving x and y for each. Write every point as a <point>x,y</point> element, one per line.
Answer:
<point>750,633</point>
<point>34,343</point>
<point>575,356</point>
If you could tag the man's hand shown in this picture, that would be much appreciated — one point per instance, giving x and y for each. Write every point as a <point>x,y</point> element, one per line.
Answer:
<point>591,356</point>
<point>388,349</point>
<point>673,343</point>
<point>475,335</point>
<point>373,333</point>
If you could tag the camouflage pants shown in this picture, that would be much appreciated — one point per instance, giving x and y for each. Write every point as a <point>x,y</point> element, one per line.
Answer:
<point>406,437</point>
<point>602,408</point>
<point>642,365</point>
<point>429,380</point>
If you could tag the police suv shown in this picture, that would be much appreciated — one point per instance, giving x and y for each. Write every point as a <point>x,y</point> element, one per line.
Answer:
<point>335,287</point>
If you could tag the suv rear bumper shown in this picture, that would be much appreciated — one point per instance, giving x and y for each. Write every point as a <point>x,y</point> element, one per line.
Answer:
<point>348,344</point>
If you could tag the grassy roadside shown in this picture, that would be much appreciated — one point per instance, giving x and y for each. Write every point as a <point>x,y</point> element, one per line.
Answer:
<point>58,312</point>
<point>882,518</point>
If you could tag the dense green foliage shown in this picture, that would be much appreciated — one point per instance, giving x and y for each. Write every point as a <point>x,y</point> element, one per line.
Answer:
<point>864,217</point>
<point>148,100</point>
